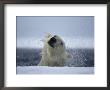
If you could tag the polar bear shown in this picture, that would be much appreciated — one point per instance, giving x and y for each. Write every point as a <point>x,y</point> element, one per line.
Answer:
<point>54,51</point>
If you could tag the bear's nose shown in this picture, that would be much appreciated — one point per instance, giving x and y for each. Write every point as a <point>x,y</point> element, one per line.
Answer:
<point>52,41</point>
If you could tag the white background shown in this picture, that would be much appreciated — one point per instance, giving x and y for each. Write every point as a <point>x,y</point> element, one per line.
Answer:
<point>95,80</point>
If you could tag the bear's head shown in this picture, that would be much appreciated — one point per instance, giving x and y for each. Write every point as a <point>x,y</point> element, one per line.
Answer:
<point>55,41</point>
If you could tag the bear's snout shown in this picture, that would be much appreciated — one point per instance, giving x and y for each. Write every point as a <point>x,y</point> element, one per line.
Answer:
<point>52,41</point>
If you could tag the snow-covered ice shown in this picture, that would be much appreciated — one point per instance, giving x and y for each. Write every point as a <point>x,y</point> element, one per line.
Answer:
<point>54,70</point>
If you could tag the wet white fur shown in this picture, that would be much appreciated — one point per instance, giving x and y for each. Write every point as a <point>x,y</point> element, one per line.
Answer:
<point>53,56</point>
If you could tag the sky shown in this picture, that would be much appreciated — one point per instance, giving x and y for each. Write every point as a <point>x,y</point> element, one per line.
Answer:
<point>76,31</point>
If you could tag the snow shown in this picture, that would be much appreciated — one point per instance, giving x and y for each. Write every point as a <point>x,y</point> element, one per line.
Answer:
<point>69,42</point>
<point>54,70</point>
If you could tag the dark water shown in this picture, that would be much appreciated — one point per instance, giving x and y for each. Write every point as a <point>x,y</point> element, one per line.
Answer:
<point>31,57</point>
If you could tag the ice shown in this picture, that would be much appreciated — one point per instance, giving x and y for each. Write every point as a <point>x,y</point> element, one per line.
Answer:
<point>54,70</point>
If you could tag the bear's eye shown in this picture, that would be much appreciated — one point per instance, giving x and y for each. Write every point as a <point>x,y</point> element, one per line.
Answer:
<point>55,35</point>
<point>62,43</point>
